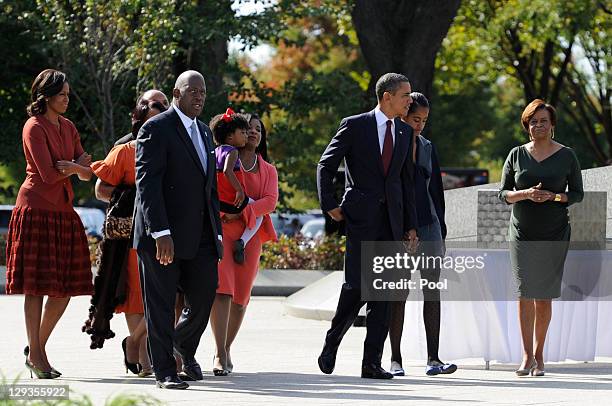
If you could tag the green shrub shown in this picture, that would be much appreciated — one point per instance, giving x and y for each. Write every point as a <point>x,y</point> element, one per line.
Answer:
<point>286,253</point>
<point>301,253</point>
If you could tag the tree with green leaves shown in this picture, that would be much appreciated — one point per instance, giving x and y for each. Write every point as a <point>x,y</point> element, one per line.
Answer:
<point>24,59</point>
<point>557,50</point>
<point>108,49</point>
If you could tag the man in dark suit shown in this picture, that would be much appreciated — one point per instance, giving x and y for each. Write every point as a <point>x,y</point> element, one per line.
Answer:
<point>378,205</point>
<point>177,229</point>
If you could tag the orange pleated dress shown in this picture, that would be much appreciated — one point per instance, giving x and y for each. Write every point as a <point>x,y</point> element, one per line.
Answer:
<point>119,167</point>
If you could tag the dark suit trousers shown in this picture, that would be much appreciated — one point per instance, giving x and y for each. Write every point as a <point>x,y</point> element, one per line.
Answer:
<point>377,313</point>
<point>198,279</point>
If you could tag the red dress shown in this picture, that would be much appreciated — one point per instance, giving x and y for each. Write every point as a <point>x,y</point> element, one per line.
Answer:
<point>47,251</point>
<point>226,191</point>
<point>119,167</point>
<point>235,279</point>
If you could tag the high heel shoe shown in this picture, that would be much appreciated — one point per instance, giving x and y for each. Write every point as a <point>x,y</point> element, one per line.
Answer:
<point>145,372</point>
<point>537,371</point>
<point>40,374</point>
<point>528,370</point>
<point>133,367</point>
<point>54,372</point>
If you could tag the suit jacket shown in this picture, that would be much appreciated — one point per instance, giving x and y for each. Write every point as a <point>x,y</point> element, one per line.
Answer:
<point>366,186</point>
<point>173,191</point>
<point>435,189</point>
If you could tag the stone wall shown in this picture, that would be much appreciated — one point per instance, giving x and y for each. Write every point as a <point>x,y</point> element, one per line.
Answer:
<point>462,206</point>
<point>587,219</point>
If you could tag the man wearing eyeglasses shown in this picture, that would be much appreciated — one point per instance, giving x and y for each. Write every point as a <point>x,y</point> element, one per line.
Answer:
<point>177,229</point>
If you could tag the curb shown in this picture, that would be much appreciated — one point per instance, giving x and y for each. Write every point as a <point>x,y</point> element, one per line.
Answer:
<point>269,282</point>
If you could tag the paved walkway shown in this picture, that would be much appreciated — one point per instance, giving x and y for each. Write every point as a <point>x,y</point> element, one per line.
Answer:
<point>275,364</point>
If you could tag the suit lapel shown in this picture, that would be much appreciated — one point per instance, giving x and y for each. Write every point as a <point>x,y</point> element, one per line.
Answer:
<point>401,138</point>
<point>184,137</point>
<point>372,139</point>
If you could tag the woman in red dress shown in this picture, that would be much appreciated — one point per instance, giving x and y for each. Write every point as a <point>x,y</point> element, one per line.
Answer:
<point>47,252</point>
<point>236,279</point>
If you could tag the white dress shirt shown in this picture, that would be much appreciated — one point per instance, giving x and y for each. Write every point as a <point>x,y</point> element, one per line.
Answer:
<point>381,126</point>
<point>187,122</point>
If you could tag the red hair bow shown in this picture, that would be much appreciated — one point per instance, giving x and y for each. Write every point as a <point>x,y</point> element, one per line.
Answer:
<point>227,117</point>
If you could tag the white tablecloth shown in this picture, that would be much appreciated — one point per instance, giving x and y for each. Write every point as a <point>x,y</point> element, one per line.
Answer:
<point>579,330</point>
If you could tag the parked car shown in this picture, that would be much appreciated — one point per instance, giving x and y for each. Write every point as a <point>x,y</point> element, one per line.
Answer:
<point>5,217</point>
<point>291,223</point>
<point>314,228</point>
<point>453,178</point>
<point>92,219</point>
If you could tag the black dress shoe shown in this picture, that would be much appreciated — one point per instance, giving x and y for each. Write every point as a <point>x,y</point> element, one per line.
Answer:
<point>172,382</point>
<point>327,360</point>
<point>373,371</point>
<point>192,371</point>
<point>238,253</point>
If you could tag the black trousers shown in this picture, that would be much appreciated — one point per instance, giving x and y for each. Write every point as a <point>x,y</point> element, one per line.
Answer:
<point>198,279</point>
<point>378,314</point>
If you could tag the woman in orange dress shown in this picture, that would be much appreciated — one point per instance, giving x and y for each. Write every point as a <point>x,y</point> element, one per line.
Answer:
<point>47,251</point>
<point>118,168</point>
<point>236,280</point>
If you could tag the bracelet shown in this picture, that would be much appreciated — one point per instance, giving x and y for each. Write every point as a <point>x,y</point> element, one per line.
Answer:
<point>557,197</point>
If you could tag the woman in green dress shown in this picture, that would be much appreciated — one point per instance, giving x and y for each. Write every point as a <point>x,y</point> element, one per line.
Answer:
<point>541,179</point>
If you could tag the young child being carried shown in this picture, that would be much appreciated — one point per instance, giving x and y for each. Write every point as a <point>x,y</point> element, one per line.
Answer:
<point>230,134</point>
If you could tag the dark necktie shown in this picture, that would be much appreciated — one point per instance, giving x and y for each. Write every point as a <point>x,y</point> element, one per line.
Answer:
<point>387,151</point>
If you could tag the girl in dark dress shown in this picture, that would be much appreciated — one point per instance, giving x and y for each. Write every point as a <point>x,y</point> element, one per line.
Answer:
<point>432,232</point>
<point>541,179</point>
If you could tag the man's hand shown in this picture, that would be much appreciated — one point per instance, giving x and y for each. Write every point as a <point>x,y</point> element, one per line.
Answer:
<point>165,249</point>
<point>412,240</point>
<point>336,214</point>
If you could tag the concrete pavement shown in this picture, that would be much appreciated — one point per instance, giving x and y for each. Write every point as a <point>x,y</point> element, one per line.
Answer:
<point>275,364</point>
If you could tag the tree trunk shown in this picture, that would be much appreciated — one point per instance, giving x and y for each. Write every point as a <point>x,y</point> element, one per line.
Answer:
<point>207,53</point>
<point>403,37</point>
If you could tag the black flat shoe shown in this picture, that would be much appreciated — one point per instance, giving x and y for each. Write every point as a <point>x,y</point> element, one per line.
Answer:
<point>327,360</point>
<point>133,367</point>
<point>172,382</point>
<point>220,372</point>
<point>54,372</point>
<point>192,371</point>
<point>373,371</point>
